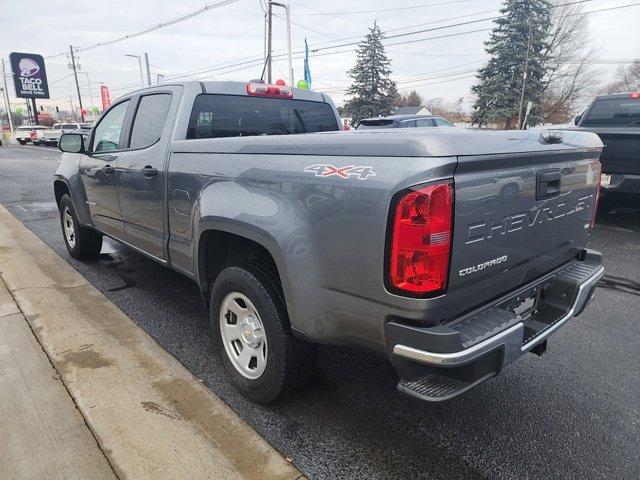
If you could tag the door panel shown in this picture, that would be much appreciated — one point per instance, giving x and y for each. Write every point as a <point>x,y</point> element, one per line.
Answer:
<point>140,175</point>
<point>97,171</point>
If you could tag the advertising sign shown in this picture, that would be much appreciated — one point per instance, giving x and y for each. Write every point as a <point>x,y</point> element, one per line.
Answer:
<point>106,99</point>
<point>29,75</point>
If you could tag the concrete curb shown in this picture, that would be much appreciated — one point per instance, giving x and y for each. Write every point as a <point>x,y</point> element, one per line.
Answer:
<point>151,417</point>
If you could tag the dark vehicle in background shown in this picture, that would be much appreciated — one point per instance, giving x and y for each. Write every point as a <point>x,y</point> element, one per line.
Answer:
<point>616,120</point>
<point>403,121</point>
<point>451,252</point>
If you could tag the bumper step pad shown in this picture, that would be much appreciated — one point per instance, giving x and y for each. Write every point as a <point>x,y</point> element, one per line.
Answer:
<point>437,388</point>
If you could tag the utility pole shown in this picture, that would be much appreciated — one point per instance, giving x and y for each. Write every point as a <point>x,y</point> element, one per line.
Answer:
<point>7,105</point>
<point>75,75</point>
<point>146,63</point>
<point>524,79</point>
<point>269,40</point>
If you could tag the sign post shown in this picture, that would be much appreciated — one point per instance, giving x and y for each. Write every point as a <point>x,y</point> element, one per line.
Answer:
<point>29,78</point>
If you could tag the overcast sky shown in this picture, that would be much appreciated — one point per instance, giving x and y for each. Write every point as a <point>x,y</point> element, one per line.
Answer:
<point>229,35</point>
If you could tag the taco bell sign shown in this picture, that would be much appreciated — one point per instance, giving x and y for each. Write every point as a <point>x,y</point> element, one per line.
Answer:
<point>29,75</point>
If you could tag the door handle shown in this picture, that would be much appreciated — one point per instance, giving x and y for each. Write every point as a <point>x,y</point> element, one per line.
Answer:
<point>548,185</point>
<point>108,169</point>
<point>148,171</point>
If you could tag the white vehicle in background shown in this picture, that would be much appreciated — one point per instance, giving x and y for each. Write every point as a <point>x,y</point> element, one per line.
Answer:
<point>28,133</point>
<point>52,136</point>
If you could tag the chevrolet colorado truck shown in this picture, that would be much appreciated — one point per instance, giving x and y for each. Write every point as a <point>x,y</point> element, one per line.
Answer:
<point>616,120</point>
<point>451,252</point>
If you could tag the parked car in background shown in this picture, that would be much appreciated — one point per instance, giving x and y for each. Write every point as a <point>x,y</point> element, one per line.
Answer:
<point>27,133</point>
<point>453,252</point>
<point>403,121</point>
<point>616,120</point>
<point>52,135</point>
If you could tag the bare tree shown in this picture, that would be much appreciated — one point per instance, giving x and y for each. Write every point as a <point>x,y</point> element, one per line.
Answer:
<point>570,75</point>
<point>627,79</point>
<point>411,99</point>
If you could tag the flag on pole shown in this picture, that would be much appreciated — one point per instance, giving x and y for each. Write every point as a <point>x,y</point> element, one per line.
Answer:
<point>307,72</point>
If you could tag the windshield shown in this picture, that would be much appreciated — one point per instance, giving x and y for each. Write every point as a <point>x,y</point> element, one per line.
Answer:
<point>613,112</point>
<point>57,126</point>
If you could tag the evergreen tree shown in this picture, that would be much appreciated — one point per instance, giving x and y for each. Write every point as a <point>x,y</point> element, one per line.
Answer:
<point>373,92</point>
<point>500,82</point>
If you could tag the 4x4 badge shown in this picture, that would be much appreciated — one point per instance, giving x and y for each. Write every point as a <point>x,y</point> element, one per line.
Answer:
<point>360,173</point>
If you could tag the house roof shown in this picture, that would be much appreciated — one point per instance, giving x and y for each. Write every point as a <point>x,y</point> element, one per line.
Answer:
<point>410,110</point>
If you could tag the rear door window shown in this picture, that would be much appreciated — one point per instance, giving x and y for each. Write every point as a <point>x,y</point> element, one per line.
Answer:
<point>441,122</point>
<point>424,122</point>
<point>216,116</point>
<point>150,119</point>
<point>614,112</point>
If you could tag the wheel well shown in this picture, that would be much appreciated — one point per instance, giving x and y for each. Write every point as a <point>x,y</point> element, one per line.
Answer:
<point>219,250</point>
<point>60,188</point>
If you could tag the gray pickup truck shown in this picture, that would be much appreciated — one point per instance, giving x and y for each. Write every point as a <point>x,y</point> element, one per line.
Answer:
<point>451,252</point>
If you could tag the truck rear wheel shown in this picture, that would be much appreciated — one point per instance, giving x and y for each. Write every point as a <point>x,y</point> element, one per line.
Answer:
<point>22,142</point>
<point>252,336</point>
<point>82,243</point>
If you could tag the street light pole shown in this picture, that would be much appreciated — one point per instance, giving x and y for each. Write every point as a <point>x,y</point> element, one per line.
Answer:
<point>139,66</point>
<point>146,63</point>
<point>288,20</point>
<point>269,39</point>
<point>7,105</point>
<point>89,85</point>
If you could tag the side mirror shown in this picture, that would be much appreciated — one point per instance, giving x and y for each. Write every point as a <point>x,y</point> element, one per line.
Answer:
<point>72,143</point>
<point>577,120</point>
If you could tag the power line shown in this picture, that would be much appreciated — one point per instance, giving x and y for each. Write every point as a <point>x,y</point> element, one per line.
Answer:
<point>395,9</point>
<point>330,47</point>
<point>153,28</point>
<point>250,63</point>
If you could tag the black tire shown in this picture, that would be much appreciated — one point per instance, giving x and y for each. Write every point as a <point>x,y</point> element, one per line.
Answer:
<point>86,243</point>
<point>289,360</point>
<point>22,142</point>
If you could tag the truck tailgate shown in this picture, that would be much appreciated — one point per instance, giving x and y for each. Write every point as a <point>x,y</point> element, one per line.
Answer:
<point>518,216</point>
<point>621,153</point>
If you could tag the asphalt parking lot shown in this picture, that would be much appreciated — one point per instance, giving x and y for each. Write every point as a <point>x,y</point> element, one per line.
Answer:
<point>573,413</point>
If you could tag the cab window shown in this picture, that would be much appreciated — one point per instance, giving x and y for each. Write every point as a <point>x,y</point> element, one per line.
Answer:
<point>215,116</point>
<point>108,131</point>
<point>150,120</point>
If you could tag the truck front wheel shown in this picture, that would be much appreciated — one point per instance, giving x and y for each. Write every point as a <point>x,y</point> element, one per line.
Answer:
<point>252,336</point>
<point>82,243</point>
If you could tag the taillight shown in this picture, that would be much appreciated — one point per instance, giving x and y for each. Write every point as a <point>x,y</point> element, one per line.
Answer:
<point>596,203</point>
<point>421,239</point>
<point>634,95</point>
<point>256,89</point>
